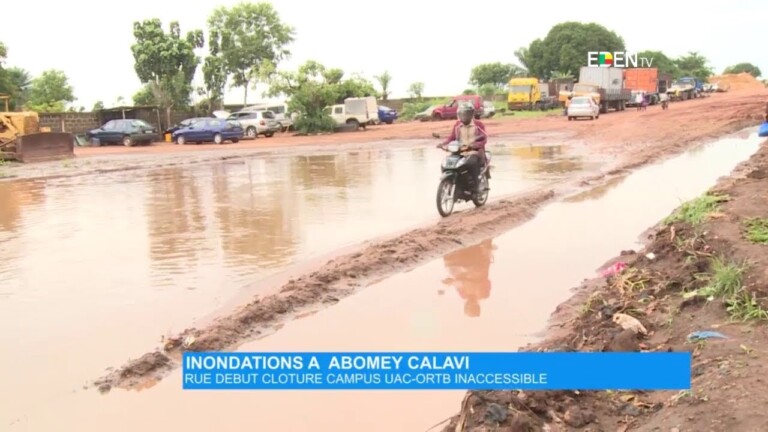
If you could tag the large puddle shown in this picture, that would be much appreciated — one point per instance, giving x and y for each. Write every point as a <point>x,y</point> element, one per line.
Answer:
<point>493,296</point>
<point>95,269</point>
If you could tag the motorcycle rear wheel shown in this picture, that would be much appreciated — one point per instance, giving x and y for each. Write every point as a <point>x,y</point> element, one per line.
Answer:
<point>481,197</point>
<point>445,200</point>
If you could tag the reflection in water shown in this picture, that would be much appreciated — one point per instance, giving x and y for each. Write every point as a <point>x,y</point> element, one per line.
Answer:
<point>14,196</point>
<point>175,221</point>
<point>596,192</point>
<point>469,269</point>
<point>548,159</point>
<point>262,228</point>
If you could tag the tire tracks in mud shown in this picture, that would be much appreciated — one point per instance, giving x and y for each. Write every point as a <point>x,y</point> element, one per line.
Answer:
<point>344,275</point>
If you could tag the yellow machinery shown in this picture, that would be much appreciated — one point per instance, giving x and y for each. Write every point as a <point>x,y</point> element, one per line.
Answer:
<point>22,139</point>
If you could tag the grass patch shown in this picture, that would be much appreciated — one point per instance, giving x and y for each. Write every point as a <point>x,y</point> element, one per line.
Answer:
<point>696,211</point>
<point>756,230</point>
<point>725,281</point>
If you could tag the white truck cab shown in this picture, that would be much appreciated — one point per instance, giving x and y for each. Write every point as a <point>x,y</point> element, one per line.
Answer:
<point>354,112</point>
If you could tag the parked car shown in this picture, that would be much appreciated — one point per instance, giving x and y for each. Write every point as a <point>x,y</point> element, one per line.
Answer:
<point>209,130</point>
<point>425,115</point>
<point>583,106</point>
<point>283,117</point>
<point>125,131</point>
<point>450,110</point>
<point>256,123</point>
<point>387,115</point>
<point>184,123</point>
<point>489,109</point>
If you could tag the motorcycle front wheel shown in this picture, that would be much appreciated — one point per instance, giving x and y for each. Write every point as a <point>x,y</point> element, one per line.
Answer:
<point>445,199</point>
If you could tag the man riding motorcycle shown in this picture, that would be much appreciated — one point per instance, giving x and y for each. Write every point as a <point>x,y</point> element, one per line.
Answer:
<point>471,135</point>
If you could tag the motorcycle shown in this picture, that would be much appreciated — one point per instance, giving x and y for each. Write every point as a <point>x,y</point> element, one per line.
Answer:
<point>454,185</point>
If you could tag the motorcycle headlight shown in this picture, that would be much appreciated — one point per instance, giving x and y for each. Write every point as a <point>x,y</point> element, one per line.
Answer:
<point>453,147</point>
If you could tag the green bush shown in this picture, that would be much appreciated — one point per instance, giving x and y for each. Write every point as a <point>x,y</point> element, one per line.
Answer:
<point>314,124</point>
<point>410,109</point>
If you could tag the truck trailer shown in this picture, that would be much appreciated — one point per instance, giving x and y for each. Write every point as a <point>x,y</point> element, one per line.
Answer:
<point>605,86</point>
<point>644,81</point>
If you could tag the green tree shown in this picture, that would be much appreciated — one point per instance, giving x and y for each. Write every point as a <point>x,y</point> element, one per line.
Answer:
<point>354,86</point>
<point>50,92</point>
<point>416,90</point>
<point>166,61</point>
<point>16,83</point>
<point>744,67</point>
<point>384,80</point>
<point>251,39</point>
<point>694,65</point>
<point>312,88</point>
<point>98,106</point>
<point>487,91</point>
<point>214,71</point>
<point>145,96</point>
<point>660,61</point>
<point>497,74</point>
<point>566,46</point>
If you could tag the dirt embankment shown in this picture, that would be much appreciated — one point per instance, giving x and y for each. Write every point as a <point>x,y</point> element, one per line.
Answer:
<point>703,269</point>
<point>640,139</point>
<point>735,82</point>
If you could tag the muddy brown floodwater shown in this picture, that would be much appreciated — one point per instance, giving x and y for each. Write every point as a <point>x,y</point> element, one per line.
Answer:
<point>493,296</point>
<point>94,269</point>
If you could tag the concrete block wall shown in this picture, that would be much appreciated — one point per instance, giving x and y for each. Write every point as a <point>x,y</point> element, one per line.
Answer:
<point>70,122</point>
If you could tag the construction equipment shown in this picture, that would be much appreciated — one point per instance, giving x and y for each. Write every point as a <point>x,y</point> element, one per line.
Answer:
<point>22,139</point>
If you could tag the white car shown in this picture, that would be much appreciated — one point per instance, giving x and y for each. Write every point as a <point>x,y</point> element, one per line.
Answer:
<point>489,109</point>
<point>583,106</point>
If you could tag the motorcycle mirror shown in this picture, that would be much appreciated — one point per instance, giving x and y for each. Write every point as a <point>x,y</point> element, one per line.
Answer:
<point>435,135</point>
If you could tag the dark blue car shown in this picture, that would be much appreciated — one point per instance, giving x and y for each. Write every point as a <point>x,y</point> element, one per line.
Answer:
<point>387,115</point>
<point>209,130</point>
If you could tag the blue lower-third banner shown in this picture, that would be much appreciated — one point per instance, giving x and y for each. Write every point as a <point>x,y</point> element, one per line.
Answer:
<point>437,371</point>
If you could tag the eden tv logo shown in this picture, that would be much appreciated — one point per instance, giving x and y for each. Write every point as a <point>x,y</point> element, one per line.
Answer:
<point>619,59</point>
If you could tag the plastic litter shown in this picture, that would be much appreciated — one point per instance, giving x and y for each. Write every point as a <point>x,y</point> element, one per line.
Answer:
<point>702,335</point>
<point>612,270</point>
<point>763,130</point>
<point>651,256</point>
<point>629,323</point>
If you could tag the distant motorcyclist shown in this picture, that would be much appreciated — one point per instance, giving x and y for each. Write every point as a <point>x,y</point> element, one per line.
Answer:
<point>472,137</point>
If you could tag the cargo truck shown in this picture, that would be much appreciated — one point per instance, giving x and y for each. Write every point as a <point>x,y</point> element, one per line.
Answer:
<point>524,93</point>
<point>605,86</point>
<point>644,81</point>
<point>685,88</point>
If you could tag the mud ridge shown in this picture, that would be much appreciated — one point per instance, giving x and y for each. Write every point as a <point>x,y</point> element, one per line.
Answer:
<point>679,258</point>
<point>336,279</point>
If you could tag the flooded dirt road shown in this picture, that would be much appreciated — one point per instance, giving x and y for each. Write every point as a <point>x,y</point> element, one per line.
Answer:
<point>96,269</point>
<point>497,300</point>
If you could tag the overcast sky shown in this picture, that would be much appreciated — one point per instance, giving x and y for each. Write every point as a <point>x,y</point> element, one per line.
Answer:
<point>429,41</point>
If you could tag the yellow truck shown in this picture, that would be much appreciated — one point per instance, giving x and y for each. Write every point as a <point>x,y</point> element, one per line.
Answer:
<point>524,93</point>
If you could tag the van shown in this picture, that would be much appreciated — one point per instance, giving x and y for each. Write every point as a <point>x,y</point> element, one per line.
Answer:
<point>449,111</point>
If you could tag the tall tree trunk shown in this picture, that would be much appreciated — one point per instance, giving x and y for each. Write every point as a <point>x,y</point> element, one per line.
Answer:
<point>245,98</point>
<point>167,117</point>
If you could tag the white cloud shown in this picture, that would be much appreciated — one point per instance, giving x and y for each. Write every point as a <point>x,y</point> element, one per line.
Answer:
<point>429,41</point>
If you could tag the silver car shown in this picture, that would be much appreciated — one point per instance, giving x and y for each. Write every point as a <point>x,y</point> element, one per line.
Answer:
<point>583,106</point>
<point>256,123</point>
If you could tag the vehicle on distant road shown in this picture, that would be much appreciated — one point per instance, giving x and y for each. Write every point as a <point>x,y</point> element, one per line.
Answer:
<point>387,115</point>
<point>257,123</point>
<point>583,106</point>
<point>209,130</point>
<point>123,131</point>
